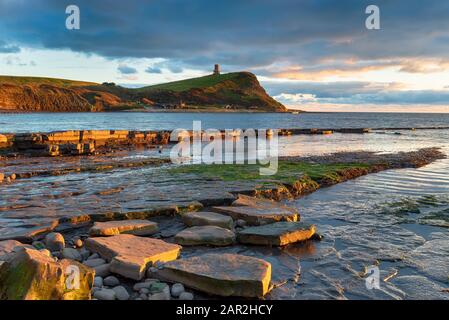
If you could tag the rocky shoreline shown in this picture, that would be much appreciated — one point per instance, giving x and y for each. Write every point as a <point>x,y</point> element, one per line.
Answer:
<point>126,247</point>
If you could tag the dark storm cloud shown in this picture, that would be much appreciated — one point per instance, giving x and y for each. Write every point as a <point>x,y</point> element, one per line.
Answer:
<point>236,33</point>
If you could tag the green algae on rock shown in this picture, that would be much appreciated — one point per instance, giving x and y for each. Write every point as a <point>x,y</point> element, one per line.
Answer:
<point>32,275</point>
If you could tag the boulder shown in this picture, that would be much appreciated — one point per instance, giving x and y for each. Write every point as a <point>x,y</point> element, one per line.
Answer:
<point>135,227</point>
<point>192,219</point>
<point>276,234</point>
<point>32,275</point>
<point>131,255</point>
<point>205,235</point>
<point>221,274</point>
<point>54,241</point>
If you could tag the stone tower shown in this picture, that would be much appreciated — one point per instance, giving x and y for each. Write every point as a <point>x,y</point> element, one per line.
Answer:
<point>217,69</point>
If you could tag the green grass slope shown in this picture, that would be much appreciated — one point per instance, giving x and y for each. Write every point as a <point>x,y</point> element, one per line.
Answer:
<point>36,81</point>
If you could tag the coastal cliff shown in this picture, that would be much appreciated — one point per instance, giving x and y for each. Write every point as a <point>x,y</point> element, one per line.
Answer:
<point>240,91</point>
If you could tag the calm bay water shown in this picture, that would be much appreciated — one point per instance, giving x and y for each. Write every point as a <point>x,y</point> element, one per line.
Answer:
<point>397,220</point>
<point>158,121</point>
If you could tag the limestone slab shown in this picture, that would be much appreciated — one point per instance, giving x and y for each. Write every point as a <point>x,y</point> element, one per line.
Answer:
<point>206,218</point>
<point>258,215</point>
<point>221,274</point>
<point>131,255</point>
<point>135,227</point>
<point>205,235</point>
<point>276,234</point>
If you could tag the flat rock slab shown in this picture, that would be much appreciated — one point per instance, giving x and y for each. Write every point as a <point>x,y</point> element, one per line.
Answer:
<point>131,255</point>
<point>205,235</point>
<point>221,274</point>
<point>135,227</point>
<point>258,216</point>
<point>276,234</point>
<point>207,219</point>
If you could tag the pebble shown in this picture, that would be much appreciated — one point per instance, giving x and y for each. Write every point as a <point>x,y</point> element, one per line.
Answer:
<point>144,291</point>
<point>160,296</point>
<point>78,243</point>
<point>98,282</point>
<point>13,176</point>
<point>156,287</point>
<point>140,285</point>
<point>84,253</point>
<point>177,289</point>
<point>54,241</point>
<point>93,256</point>
<point>111,281</point>
<point>121,293</point>
<point>186,296</point>
<point>94,262</point>
<point>70,253</point>
<point>105,294</point>
<point>103,270</point>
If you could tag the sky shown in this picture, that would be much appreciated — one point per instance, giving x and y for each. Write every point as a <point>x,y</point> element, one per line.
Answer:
<point>314,55</point>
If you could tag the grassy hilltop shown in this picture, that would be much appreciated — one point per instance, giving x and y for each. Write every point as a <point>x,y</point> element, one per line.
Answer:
<point>239,91</point>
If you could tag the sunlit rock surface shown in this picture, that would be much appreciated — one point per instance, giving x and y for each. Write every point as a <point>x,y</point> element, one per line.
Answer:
<point>131,255</point>
<point>221,274</point>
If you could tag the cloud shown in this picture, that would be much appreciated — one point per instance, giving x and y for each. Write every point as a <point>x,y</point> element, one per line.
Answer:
<point>153,70</point>
<point>352,93</point>
<point>203,32</point>
<point>124,69</point>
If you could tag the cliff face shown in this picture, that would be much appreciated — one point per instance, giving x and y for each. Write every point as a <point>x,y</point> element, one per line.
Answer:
<point>41,98</point>
<point>235,90</point>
